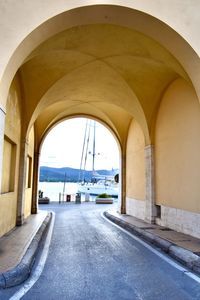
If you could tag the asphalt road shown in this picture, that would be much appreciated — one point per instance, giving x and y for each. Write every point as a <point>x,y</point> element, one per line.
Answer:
<point>90,259</point>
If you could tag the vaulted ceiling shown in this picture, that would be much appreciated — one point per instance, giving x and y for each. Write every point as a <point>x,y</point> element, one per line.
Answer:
<point>105,71</point>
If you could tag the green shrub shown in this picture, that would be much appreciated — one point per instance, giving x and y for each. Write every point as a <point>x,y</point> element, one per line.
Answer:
<point>104,195</point>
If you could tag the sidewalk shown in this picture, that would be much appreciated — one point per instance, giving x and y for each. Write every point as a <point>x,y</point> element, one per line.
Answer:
<point>18,249</point>
<point>182,247</point>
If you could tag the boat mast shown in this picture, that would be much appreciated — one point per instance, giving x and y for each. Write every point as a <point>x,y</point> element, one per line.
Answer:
<point>93,153</point>
<point>64,186</point>
<point>86,150</point>
<point>83,150</point>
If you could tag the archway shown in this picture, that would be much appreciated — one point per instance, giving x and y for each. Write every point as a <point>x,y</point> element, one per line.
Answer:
<point>123,16</point>
<point>78,150</point>
<point>108,62</point>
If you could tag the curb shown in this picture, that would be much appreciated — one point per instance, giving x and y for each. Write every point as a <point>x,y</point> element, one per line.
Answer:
<point>184,256</point>
<point>22,271</point>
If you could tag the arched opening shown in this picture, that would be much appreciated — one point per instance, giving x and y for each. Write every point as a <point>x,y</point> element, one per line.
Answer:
<point>79,154</point>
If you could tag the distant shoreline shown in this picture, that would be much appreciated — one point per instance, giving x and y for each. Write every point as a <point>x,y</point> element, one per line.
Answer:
<point>58,181</point>
<point>49,174</point>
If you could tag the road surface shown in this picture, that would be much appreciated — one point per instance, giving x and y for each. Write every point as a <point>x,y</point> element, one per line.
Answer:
<point>90,259</point>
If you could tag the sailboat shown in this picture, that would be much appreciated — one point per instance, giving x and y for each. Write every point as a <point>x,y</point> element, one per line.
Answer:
<point>99,184</point>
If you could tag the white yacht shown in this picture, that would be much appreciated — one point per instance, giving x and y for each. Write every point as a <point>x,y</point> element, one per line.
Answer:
<point>99,184</point>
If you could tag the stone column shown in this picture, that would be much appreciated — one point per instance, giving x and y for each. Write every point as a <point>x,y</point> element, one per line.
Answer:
<point>34,207</point>
<point>123,183</point>
<point>2,125</point>
<point>150,209</point>
<point>22,182</point>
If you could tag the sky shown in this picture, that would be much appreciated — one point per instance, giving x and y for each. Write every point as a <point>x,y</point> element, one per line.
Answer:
<point>63,146</point>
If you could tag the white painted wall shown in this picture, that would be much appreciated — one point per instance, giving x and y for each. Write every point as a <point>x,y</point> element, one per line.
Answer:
<point>136,208</point>
<point>180,220</point>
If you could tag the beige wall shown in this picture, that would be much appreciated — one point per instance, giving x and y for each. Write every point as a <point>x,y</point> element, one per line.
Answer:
<point>135,164</point>
<point>17,10</point>
<point>9,180</point>
<point>29,174</point>
<point>30,32</point>
<point>9,166</point>
<point>177,148</point>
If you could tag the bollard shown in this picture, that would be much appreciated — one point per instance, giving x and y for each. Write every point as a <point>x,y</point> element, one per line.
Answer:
<point>68,198</point>
<point>78,198</point>
<point>59,198</point>
<point>87,197</point>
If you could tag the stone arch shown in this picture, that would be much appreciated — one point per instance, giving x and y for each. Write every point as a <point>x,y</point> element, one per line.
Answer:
<point>69,117</point>
<point>113,14</point>
<point>100,103</point>
<point>46,132</point>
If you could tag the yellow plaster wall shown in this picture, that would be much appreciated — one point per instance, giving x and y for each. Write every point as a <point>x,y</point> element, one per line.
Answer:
<point>8,206</point>
<point>135,164</point>
<point>28,197</point>
<point>8,200</point>
<point>28,190</point>
<point>59,19</point>
<point>177,148</point>
<point>7,153</point>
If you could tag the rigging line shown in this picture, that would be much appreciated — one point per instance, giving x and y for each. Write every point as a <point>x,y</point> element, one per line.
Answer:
<point>86,151</point>
<point>84,141</point>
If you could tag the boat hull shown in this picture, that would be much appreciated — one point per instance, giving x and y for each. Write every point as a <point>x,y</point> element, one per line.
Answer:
<point>98,189</point>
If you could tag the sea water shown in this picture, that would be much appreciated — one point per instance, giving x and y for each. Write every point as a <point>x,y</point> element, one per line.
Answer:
<point>53,189</point>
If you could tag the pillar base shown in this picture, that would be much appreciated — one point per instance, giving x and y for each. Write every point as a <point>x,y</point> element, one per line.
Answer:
<point>34,210</point>
<point>20,220</point>
<point>123,210</point>
<point>151,220</point>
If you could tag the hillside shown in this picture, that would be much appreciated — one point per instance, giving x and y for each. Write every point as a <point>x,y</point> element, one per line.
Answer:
<point>68,174</point>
